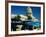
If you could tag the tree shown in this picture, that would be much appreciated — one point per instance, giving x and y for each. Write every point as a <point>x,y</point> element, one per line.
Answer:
<point>17,17</point>
<point>29,17</point>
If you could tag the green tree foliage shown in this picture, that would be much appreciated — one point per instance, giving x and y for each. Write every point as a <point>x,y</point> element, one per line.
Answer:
<point>17,17</point>
<point>29,17</point>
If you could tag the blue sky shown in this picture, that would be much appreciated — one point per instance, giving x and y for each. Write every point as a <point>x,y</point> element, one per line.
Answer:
<point>23,9</point>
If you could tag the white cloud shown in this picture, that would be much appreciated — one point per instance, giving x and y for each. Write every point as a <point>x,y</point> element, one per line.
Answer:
<point>23,18</point>
<point>13,15</point>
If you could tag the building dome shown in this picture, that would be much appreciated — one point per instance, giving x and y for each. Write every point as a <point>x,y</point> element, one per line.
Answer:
<point>29,10</point>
